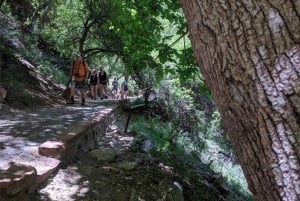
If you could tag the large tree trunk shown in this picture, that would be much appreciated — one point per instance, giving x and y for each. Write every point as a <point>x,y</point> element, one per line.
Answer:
<point>249,53</point>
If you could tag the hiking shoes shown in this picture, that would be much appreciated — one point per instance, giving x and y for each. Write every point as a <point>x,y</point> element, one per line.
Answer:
<point>71,101</point>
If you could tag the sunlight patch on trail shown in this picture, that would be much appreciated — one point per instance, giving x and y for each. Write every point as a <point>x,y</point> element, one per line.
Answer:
<point>68,187</point>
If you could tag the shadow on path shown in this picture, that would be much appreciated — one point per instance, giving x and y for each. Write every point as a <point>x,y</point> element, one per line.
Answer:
<point>21,132</point>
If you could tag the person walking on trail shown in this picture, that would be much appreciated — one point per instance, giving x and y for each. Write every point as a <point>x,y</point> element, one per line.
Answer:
<point>79,72</point>
<point>124,88</point>
<point>115,88</point>
<point>93,81</point>
<point>103,81</point>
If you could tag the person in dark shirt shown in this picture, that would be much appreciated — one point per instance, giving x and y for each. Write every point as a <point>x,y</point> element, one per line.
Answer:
<point>94,84</point>
<point>103,81</point>
<point>124,88</point>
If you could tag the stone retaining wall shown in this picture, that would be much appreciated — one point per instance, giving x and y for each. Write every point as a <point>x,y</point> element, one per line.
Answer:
<point>87,136</point>
<point>81,137</point>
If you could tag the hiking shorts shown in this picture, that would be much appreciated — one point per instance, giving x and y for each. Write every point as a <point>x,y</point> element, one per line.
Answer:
<point>115,88</point>
<point>93,83</point>
<point>78,84</point>
<point>103,82</point>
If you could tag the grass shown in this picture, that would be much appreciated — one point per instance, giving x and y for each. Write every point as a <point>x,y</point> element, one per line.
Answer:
<point>183,152</point>
<point>232,172</point>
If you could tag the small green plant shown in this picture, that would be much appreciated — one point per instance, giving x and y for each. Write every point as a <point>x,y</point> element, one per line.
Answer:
<point>153,129</point>
<point>221,157</point>
<point>46,67</point>
<point>186,137</point>
<point>178,151</point>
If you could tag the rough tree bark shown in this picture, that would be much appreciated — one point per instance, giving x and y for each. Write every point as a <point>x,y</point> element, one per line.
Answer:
<point>249,53</point>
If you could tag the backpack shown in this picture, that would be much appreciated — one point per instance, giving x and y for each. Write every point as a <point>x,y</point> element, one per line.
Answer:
<point>80,72</point>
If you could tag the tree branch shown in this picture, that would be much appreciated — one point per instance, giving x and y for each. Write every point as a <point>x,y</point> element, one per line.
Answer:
<point>174,42</point>
<point>93,51</point>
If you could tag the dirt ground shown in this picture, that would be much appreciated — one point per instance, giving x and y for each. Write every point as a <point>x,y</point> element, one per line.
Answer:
<point>120,169</point>
<point>126,173</point>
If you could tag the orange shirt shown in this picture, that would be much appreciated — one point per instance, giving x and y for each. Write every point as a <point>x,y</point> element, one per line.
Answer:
<point>80,70</point>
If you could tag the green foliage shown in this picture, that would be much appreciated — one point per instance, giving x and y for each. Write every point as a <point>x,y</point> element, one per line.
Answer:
<point>161,134</point>
<point>178,151</point>
<point>148,40</point>
<point>12,77</point>
<point>49,68</point>
<point>185,135</point>
<point>141,34</point>
<point>148,35</point>
<point>137,101</point>
<point>64,29</point>
<point>181,119</point>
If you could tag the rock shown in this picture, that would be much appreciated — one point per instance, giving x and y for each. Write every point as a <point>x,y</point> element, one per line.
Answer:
<point>44,166</point>
<point>147,145</point>
<point>16,179</point>
<point>127,165</point>
<point>14,43</point>
<point>176,193</point>
<point>104,154</point>
<point>52,149</point>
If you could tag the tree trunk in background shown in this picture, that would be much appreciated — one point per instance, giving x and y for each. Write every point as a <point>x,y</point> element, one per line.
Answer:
<point>249,53</point>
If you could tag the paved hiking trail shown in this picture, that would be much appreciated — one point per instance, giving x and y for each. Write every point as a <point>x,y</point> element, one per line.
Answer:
<point>86,157</point>
<point>25,162</point>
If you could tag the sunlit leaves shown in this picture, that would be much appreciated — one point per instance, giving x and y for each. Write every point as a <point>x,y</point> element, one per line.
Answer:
<point>143,33</point>
<point>64,29</point>
<point>148,29</point>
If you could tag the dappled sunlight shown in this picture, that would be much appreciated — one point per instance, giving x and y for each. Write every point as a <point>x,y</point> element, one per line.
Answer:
<point>126,141</point>
<point>68,186</point>
<point>21,133</point>
<point>14,147</point>
<point>9,122</point>
<point>47,123</point>
<point>117,139</point>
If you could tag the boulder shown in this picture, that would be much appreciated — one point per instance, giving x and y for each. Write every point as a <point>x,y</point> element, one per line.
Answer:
<point>106,155</point>
<point>52,149</point>
<point>44,166</point>
<point>16,179</point>
<point>147,145</point>
<point>127,165</point>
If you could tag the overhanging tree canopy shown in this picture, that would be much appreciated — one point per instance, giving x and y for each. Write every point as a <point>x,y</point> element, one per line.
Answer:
<point>134,31</point>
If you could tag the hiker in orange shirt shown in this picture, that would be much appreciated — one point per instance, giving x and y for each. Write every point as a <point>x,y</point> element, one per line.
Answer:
<point>79,72</point>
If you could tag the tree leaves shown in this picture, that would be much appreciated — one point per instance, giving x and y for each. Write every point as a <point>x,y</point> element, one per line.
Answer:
<point>148,30</point>
<point>142,33</point>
